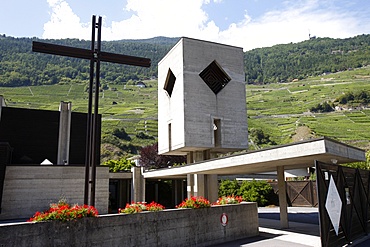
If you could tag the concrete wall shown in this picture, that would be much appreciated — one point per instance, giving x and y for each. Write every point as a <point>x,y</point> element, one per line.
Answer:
<point>193,106</point>
<point>177,227</point>
<point>28,189</point>
<point>171,109</point>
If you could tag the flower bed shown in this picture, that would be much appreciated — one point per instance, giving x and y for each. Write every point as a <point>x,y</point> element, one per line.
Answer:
<point>182,227</point>
<point>228,200</point>
<point>137,207</point>
<point>62,211</point>
<point>195,202</point>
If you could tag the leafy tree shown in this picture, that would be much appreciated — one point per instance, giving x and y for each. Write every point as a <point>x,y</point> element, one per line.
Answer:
<point>121,133</point>
<point>345,98</point>
<point>142,135</point>
<point>365,165</point>
<point>260,138</point>
<point>257,191</point>
<point>323,107</point>
<point>228,188</point>
<point>122,164</point>
<point>252,191</point>
<point>150,158</point>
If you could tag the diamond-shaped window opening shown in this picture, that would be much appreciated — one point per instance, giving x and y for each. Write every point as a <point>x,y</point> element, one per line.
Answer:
<point>215,77</point>
<point>170,82</point>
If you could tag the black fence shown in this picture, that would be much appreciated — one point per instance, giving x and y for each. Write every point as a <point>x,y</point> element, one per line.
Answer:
<point>33,135</point>
<point>5,154</point>
<point>349,197</point>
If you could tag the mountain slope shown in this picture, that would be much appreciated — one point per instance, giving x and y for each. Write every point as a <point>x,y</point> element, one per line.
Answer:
<point>19,66</point>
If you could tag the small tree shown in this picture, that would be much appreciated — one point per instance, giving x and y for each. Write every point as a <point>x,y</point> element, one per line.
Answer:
<point>365,165</point>
<point>257,191</point>
<point>228,188</point>
<point>252,191</point>
<point>260,138</point>
<point>121,134</point>
<point>149,158</point>
<point>119,165</point>
<point>324,107</point>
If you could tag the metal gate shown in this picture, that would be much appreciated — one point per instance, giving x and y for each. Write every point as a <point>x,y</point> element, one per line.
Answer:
<point>350,197</point>
<point>299,193</point>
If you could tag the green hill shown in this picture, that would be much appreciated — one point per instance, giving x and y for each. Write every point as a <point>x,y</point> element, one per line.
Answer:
<point>278,113</point>
<point>284,63</point>
<point>19,66</point>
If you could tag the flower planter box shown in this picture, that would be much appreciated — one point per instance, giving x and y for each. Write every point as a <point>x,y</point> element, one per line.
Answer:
<point>173,227</point>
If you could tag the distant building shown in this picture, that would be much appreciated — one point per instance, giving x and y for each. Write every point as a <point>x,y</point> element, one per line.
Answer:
<point>141,84</point>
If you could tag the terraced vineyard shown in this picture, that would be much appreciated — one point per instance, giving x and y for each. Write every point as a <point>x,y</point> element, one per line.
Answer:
<point>129,107</point>
<point>277,109</point>
<point>280,109</point>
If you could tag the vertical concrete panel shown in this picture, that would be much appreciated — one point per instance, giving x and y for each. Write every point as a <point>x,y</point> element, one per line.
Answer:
<point>138,185</point>
<point>212,187</point>
<point>65,109</point>
<point>28,189</point>
<point>282,198</point>
<point>171,108</point>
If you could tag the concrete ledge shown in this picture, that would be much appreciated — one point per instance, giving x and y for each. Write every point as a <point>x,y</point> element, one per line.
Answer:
<point>174,227</point>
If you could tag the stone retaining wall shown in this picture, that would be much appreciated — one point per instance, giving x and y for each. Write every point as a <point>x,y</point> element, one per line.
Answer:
<point>28,189</point>
<point>174,227</point>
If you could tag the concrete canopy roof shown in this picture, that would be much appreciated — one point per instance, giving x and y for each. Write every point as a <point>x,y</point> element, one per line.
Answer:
<point>291,156</point>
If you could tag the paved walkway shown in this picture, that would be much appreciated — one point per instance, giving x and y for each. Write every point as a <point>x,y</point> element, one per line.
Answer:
<point>303,230</point>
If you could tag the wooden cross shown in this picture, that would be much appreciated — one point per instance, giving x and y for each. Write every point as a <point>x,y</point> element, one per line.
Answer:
<point>95,56</point>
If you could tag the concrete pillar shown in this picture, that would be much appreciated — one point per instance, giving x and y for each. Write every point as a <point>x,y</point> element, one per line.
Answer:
<point>199,179</point>
<point>177,191</point>
<point>190,185</point>
<point>2,104</point>
<point>138,185</point>
<point>212,187</point>
<point>212,183</point>
<point>65,109</point>
<point>201,184</point>
<point>190,177</point>
<point>282,198</point>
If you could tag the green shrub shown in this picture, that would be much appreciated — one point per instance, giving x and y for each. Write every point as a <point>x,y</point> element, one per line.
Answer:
<point>228,188</point>
<point>252,191</point>
<point>257,191</point>
<point>119,165</point>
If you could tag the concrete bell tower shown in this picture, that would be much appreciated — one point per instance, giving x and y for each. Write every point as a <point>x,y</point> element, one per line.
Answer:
<point>201,99</point>
<point>201,106</point>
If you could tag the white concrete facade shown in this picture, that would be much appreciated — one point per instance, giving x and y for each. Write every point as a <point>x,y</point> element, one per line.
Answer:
<point>188,111</point>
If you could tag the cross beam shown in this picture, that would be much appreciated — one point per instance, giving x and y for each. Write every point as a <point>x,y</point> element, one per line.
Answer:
<point>88,54</point>
<point>95,56</point>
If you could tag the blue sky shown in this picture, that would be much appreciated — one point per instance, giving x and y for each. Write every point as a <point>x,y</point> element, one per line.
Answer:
<point>245,23</point>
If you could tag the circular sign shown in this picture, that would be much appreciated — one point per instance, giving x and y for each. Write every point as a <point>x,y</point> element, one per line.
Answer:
<point>224,219</point>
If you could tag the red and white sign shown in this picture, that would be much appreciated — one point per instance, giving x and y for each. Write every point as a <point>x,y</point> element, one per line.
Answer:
<point>224,219</point>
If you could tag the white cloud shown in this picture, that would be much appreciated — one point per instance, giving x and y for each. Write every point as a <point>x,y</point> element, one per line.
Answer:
<point>173,18</point>
<point>64,23</point>
<point>176,18</point>
<point>291,24</point>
